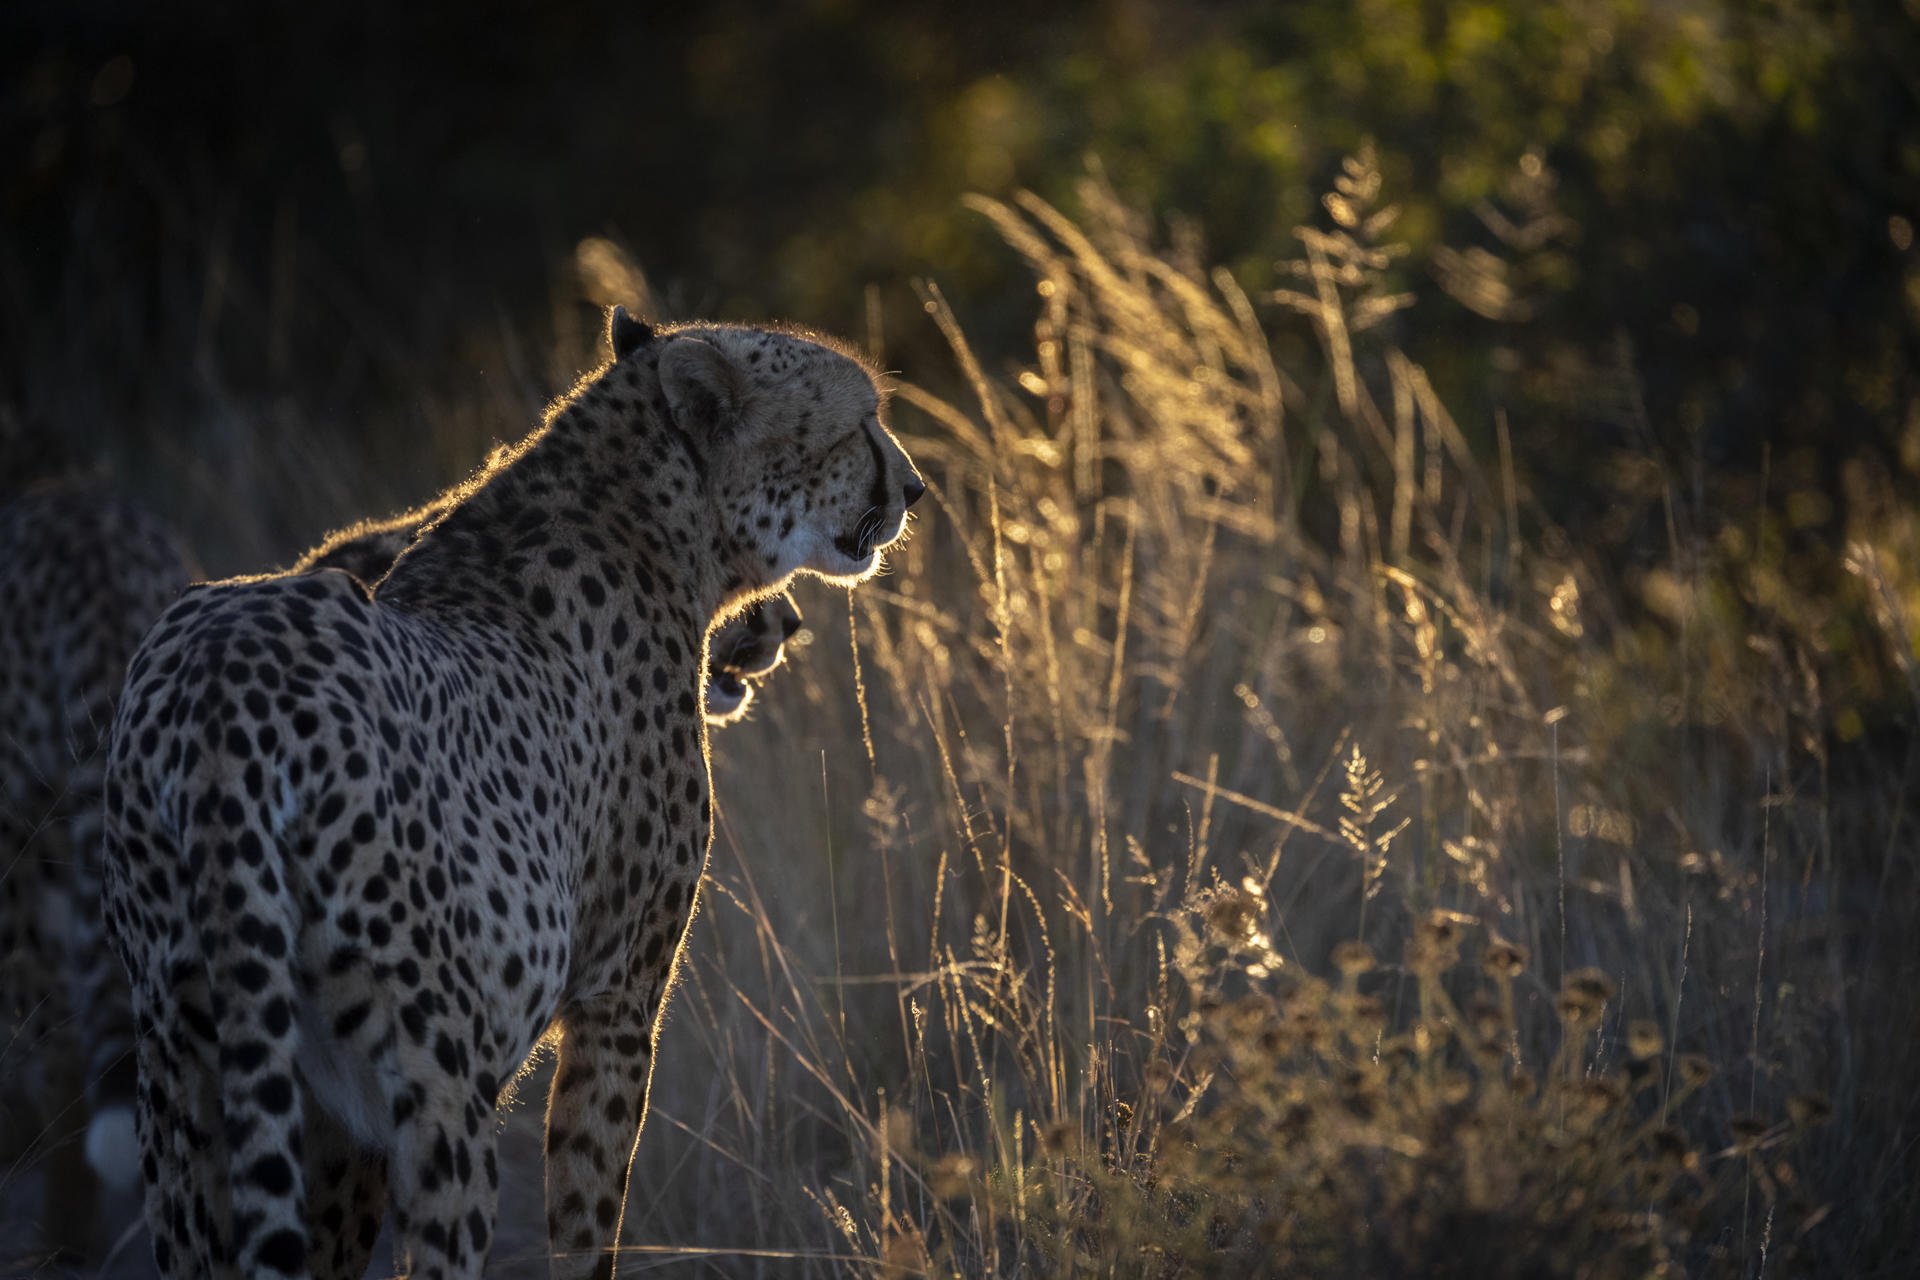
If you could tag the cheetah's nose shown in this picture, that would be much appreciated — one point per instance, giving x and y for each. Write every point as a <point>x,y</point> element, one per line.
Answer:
<point>914,487</point>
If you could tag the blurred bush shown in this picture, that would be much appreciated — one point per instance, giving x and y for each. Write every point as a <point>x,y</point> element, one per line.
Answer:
<point>1671,245</point>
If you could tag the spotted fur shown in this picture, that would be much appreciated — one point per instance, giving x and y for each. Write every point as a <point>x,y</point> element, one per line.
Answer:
<point>82,575</point>
<point>365,851</point>
<point>743,650</point>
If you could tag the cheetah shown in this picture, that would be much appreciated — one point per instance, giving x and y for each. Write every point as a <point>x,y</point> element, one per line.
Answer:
<point>743,651</point>
<point>82,575</point>
<point>366,851</point>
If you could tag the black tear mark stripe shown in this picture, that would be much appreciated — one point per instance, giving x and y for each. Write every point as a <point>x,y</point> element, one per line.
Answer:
<point>878,497</point>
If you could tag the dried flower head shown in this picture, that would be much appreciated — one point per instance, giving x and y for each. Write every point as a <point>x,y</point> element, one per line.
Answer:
<point>1583,999</point>
<point>1441,928</point>
<point>1747,1132</point>
<point>1235,914</point>
<point>1808,1109</point>
<point>1644,1039</point>
<point>1574,1011</point>
<point>1353,957</point>
<point>1695,1070</point>
<point>951,1176</point>
<point>1504,960</point>
<point>1590,985</point>
<point>1600,1093</point>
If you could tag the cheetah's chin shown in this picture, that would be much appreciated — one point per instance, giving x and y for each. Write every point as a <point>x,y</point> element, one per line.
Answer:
<point>849,571</point>
<point>854,557</point>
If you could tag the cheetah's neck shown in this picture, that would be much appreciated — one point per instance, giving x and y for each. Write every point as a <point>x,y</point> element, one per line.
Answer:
<point>602,505</point>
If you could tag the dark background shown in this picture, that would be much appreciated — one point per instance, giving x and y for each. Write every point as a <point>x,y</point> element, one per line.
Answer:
<point>369,176</point>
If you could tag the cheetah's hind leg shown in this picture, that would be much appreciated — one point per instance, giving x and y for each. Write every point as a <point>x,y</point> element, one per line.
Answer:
<point>346,1197</point>
<point>247,917</point>
<point>182,1154</point>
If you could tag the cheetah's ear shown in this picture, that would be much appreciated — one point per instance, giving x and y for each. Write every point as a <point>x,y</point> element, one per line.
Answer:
<point>703,388</point>
<point>625,334</point>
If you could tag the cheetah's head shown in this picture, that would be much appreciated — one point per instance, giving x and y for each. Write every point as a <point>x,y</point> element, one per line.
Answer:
<point>803,472</point>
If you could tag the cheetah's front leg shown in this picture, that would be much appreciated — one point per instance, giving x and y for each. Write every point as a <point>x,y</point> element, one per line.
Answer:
<point>445,1175</point>
<point>594,1114</point>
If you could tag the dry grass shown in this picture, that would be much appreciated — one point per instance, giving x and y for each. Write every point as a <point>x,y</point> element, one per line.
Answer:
<point>1146,813</point>
<point>1243,836</point>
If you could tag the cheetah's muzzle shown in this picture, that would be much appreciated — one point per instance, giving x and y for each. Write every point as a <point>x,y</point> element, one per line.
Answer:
<point>859,544</point>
